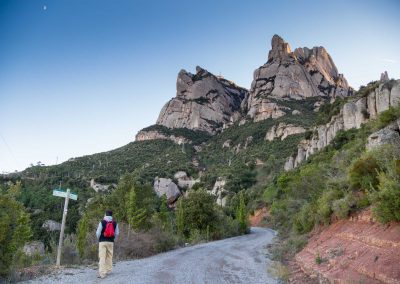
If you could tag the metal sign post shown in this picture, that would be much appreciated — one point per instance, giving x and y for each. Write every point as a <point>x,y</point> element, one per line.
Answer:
<point>67,195</point>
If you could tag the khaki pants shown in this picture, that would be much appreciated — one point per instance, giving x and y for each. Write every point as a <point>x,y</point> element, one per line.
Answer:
<point>105,257</point>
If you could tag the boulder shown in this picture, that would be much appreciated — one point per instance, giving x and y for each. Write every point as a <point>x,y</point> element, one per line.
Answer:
<point>34,248</point>
<point>51,225</point>
<point>384,136</point>
<point>165,186</point>
<point>184,181</point>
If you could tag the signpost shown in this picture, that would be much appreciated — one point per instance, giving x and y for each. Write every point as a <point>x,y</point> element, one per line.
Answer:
<point>67,195</point>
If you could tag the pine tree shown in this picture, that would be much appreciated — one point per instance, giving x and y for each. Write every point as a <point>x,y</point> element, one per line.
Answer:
<point>241,215</point>
<point>180,218</point>
<point>136,215</point>
<point>164,213</point>
<point>82,232</point>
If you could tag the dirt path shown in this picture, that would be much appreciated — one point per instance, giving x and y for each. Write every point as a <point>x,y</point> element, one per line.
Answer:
<point>235,260</point>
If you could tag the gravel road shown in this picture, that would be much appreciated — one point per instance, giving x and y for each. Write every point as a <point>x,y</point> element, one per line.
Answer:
<point>234,260</point>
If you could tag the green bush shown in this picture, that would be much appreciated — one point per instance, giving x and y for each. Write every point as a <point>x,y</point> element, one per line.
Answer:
<point>387,199</point>
<point>325,204</point>
<point>363,174</point>
<point>15,228</point>
<point>342,207</point>
<point>305,219</point>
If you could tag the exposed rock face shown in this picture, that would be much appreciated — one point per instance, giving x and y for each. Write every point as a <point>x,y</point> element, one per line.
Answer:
<point>282,131</point>
<point>353,249</point>
<point>293,75</point>
<point>352,115</point>
<point>34,248</point>
<point>152,135</point>
<point>184,181</point>
<point>219,191</point>
<point>98,186</point>
<point>203,102</point>
<point>168,187</point>
<point>51,225</point>
<point>387,135</point>
<point>227,144</point>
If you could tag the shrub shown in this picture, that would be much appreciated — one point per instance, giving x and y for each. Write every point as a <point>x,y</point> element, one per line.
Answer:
<point>341,207</point>
<point>305,219</point>
<point>363,173</point>
<point>325,204</point>
<point>387,117</point>
<point>387,199</point>
<point>15,228</point>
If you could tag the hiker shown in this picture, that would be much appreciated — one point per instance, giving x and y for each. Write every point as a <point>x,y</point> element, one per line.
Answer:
<point>106,232</point>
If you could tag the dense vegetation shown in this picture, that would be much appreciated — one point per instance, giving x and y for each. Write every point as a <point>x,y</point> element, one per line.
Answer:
<point>197,218</point>
<point>340,179</point>
<point>15,227</point>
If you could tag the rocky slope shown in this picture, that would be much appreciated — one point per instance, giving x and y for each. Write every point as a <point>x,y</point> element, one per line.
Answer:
<point>203,102</point>
<point>357,250</point>
<point>293,76</point>
<point>353,114</point>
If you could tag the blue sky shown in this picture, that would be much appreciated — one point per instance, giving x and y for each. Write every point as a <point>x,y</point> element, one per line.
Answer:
<point>80,77</point>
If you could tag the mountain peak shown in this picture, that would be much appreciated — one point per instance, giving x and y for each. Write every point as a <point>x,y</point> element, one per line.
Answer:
<point>280,49</point>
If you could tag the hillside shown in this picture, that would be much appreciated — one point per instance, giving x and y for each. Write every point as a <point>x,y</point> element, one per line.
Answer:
<point>293,143</point>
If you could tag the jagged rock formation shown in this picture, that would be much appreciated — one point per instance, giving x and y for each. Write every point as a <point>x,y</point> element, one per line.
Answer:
<point>384,77</point>
<point>203,102</point>
<point>153,134</point>
<point>211,103</point>
<point>165,186</point>
<point>283,130</point>
<point>352,115</point>
<point>293,75</point>
<point>387,135</point>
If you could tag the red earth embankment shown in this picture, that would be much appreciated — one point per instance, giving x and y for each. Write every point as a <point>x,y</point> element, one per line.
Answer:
<point>259,215</point>
<point>356,250</point>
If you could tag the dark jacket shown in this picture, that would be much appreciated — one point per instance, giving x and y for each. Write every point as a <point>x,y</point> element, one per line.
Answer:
<point>102,227</point>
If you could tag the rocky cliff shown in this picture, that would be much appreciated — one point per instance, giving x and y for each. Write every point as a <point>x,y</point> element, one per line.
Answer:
<point>203,102</point>
<point>152,135</point>
<point>207,102</point>
<point>295,75</point>
<point>353,114</point>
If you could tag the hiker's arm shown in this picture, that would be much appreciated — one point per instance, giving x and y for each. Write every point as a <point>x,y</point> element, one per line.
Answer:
<point>116,230</point>
<point>98,232</point>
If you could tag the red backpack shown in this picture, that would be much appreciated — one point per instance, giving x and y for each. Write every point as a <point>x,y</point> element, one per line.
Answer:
<point>109,231</point>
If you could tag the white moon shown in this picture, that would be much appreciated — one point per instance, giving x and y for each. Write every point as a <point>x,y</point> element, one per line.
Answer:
<point>44,7</point>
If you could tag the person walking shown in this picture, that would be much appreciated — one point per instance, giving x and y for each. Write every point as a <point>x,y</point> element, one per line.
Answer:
<point>106,233</point>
